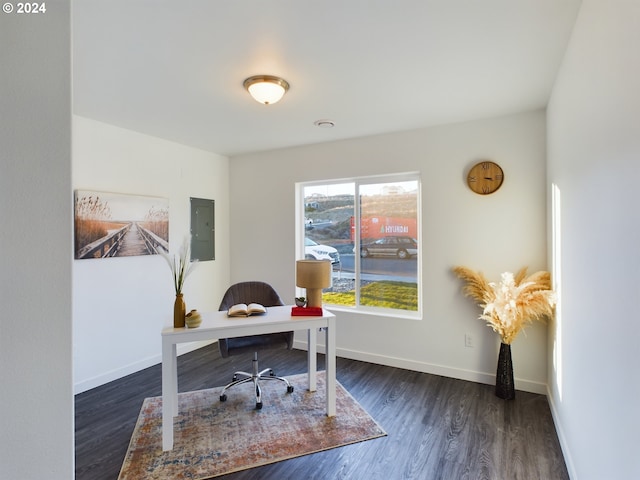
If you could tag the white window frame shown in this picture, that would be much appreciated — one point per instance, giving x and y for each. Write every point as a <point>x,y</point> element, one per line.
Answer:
<point>358,182</point>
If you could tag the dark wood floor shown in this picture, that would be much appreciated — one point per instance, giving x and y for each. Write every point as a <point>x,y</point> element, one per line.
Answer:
<point>438,428</point>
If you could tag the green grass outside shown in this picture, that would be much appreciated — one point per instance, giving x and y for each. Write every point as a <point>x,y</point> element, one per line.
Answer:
<point>384,294</point>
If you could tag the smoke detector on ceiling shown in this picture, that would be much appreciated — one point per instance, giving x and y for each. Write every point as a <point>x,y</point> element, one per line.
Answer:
<point>324,123</point>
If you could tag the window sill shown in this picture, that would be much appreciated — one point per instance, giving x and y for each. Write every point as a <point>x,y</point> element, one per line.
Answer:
<point>376,312</point>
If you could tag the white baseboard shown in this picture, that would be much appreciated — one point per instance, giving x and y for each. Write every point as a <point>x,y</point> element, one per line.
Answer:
<point>564,445</point>
<point>451,372</point>
<point>117,373</point>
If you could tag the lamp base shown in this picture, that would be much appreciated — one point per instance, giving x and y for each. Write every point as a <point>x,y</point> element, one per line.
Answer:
<point>314,297</point>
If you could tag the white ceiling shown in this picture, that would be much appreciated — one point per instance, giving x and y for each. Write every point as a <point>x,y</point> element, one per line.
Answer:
<point>174,69</point>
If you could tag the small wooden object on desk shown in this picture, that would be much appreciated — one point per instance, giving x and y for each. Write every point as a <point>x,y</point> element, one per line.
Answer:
<point>193,319</point>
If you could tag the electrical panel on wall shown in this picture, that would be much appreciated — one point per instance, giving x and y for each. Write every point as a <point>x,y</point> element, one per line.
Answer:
<point>202,229</point>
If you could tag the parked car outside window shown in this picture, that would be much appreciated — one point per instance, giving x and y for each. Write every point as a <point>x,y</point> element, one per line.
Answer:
<point>314,251</point>
<point>396,246</point>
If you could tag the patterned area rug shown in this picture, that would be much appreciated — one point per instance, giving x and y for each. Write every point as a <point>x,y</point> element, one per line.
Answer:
<point>213,438</point>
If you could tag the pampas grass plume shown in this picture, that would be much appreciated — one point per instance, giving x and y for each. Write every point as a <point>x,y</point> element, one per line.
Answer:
<point>514,302</point>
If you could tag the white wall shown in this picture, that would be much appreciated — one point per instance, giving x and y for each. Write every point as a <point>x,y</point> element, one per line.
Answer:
<point>36,395</point>
<point>494,233</point>
<point>594,159</point>
<point>121,304</point>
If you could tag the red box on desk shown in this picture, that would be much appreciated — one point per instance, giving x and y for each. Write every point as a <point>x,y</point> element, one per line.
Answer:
<point>306,311</point>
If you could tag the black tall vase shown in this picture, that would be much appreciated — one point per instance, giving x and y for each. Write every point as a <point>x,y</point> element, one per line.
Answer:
<point>505,388</point>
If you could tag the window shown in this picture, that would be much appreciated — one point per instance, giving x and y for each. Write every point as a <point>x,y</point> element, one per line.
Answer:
<point>369,229</point>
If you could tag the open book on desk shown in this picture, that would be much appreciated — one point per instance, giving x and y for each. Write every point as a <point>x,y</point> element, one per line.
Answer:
<point>244,310</point>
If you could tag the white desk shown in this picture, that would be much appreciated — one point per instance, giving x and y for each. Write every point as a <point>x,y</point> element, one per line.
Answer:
<point>217,325</point>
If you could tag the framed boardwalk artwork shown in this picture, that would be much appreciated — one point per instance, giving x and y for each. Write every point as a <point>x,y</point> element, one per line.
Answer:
<point>119,225</point>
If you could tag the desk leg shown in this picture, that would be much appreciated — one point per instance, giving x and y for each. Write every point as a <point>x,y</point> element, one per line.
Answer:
<point>169,392</point>
<point>330,360</point>
<point>312,358</point>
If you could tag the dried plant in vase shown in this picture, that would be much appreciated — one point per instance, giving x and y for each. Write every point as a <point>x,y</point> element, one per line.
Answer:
<point>508,306</point>
<point>180,270</point>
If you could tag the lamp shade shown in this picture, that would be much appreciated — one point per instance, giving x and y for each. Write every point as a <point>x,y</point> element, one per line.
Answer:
<point>313,275</point>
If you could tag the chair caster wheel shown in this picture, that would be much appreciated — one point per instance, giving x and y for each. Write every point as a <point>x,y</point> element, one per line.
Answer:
<point>234,378</point>
<point>223,398</point>
<point>258,405</point>
<point>271,373</point>
<point>290,389</point>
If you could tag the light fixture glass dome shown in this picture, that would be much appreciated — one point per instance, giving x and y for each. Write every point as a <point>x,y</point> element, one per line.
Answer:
<point>266,89</point>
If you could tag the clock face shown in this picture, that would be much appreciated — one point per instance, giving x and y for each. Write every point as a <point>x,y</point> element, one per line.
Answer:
<point>485,177</point>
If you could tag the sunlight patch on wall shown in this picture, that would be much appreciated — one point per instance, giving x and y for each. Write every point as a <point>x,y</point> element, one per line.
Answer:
<point>556,234</point>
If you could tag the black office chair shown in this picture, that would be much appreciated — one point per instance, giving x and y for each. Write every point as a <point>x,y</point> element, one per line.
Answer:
<point>253,292</point>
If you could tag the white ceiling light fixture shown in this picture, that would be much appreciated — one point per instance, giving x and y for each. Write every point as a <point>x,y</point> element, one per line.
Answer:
<point>266,89</point>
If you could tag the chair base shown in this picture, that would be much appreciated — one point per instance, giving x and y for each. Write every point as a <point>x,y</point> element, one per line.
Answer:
<point>256,376</point>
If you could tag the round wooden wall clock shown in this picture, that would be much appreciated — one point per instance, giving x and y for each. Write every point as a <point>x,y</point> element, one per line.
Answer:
<point>485,177</point>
